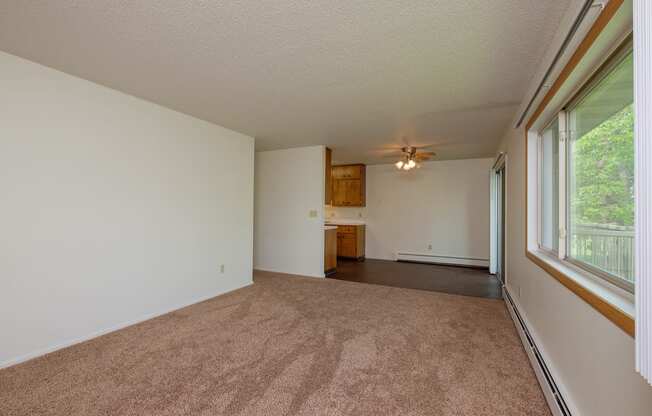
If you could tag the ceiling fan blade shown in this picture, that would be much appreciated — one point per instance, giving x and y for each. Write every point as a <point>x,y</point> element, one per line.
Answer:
<point>386,150</point>
<point>402,152</point>
<point>424,157</point>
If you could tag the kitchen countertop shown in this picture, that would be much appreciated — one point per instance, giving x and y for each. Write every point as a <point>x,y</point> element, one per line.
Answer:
<point>342,221</point>
<point>330,227</point>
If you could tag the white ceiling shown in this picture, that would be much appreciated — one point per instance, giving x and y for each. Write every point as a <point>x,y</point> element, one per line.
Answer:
<point>355,75</point>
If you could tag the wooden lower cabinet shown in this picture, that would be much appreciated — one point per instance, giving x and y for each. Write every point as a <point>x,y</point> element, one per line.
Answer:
<point>330,251</point>
<point>351,241</point>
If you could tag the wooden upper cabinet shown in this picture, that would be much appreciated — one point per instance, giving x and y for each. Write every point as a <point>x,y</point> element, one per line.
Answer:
<point>338,193</point>
<point>348,171</point>
<point>349,186</point>
<point>328,192</point>
<point>353,192</point>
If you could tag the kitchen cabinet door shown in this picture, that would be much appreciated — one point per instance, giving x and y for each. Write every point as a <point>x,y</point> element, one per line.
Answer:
<point>353,189</point>
<point>339,192</point>
<point>348,186</point>
<point>330,250</point>
<point>347,246</point>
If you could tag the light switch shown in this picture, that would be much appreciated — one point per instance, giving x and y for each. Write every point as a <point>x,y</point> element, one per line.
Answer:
<point>312,213</point>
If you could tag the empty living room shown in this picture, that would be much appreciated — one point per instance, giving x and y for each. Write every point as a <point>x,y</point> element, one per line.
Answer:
<point>384,208</point>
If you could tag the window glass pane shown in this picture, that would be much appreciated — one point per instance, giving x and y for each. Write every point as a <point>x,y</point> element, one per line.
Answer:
<point>549,195</point>
<point>601,175</point>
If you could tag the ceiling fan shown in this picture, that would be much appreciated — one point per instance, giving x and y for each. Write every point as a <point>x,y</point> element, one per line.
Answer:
<point>411,156</point>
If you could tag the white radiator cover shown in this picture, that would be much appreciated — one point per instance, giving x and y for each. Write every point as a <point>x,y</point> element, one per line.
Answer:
<point>643,140</point>
<point>554,393</point>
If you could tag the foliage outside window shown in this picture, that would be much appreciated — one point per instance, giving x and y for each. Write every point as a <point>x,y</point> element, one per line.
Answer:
<point>601,175</point>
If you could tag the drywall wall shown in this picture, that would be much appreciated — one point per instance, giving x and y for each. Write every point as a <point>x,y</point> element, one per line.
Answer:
<point>112,209</point>
<point>590,357</point>
<point>443,204</point>
<point>289,211</point>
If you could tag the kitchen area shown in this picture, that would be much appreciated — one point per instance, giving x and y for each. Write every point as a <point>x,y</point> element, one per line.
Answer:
<point>344,239</point>
<point>424,228</point>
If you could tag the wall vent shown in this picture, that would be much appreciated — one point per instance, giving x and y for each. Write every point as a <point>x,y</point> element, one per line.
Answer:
<point>553,396</point>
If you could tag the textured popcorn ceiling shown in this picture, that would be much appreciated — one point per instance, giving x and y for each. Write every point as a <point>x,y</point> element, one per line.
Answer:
<point>355,75</point>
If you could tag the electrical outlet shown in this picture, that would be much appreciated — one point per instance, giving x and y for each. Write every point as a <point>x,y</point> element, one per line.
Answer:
<point>221,268</point>
<point>429,247</point>
<point>312,213</point>
<point>359,214</point>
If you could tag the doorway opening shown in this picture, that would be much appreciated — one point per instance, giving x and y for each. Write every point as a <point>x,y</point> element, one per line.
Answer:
<point>498,188</point>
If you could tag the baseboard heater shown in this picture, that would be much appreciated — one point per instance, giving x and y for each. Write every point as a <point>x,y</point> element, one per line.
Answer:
<point>442,259</point>
<point>551,391</point>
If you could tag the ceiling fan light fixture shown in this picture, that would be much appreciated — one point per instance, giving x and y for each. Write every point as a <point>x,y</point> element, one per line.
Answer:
<point>410,156</point>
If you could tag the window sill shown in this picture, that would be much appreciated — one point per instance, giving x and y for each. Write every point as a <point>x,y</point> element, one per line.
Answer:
<point>614,303</point>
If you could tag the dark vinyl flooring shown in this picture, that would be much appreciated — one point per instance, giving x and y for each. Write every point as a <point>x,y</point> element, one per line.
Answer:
<point>448,279</point>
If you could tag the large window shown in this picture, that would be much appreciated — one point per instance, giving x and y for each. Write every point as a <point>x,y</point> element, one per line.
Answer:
<point>596,231</point>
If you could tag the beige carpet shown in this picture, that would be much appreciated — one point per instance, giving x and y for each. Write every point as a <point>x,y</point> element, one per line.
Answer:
<point>293,346</point>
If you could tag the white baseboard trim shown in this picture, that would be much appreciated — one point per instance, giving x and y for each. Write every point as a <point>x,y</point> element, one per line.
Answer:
<point>441,259</point>
<point>95,334</point>
<point>555,395</point>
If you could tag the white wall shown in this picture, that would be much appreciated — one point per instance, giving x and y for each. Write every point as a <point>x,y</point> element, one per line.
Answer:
<point>112,209</point>
<point>289,185</point>
<point>590,357</point>
<point>444,204</point>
